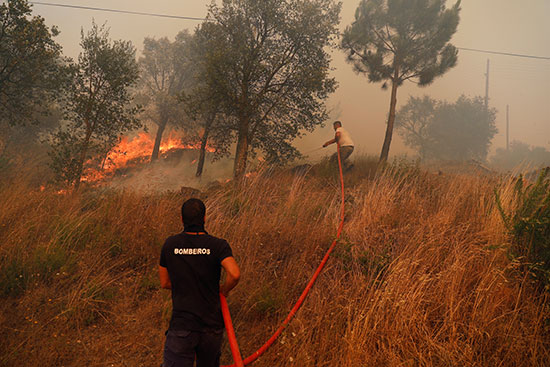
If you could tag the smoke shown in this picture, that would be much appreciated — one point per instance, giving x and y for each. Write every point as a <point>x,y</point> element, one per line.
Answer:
<point>173,174</point>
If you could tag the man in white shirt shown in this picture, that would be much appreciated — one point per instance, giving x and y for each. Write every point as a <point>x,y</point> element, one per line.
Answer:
<point>343,139</point>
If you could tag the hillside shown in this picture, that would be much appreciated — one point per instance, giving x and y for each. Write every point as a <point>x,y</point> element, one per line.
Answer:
<point>420,277</point>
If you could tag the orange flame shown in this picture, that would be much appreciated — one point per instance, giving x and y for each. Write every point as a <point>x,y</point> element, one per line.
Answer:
<point>134,151</point>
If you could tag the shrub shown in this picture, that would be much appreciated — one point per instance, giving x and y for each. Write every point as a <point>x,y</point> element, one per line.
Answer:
<point>529,224</point>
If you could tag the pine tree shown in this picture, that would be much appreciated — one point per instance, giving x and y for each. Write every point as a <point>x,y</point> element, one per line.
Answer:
<point>400,40</point>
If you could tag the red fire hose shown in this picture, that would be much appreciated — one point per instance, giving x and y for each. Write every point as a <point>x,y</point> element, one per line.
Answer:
<point>225,310</point>
<point>231,333</point>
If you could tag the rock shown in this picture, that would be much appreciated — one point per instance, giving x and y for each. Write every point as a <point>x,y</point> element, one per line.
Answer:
<point>190,192</point>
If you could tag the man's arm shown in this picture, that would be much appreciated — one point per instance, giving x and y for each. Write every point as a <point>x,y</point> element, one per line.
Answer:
<point>233,274</point>
<point>164,278</point>
<point>332,141</point>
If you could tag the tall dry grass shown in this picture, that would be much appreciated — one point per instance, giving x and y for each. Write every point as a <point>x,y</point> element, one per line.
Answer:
<point>420,277</point>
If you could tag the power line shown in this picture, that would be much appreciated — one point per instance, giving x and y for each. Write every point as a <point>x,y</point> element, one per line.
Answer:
<point>504,53</point>
<point>201,19</point>
<point>116,11</point>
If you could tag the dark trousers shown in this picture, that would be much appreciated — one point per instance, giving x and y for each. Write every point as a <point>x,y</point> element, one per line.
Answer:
<point>182,347</point>
<point>345,152</point>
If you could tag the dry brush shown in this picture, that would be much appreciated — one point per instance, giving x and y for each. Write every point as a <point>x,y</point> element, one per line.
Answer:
<point>421,276</point>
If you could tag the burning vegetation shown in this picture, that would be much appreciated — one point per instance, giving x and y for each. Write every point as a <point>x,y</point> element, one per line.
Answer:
<point>133,153</point>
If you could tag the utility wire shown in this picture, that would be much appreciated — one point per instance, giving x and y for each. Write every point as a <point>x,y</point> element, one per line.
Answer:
<point>116,11</point>
<point>504,53</point>
<point>200,19</point>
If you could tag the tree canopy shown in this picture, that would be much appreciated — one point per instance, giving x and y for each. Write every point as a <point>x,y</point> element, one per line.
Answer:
<point>97,104</point>
<point>461,130</point>
<point>268,62</point>
<point>165,72</point>
<point>400,40</point>
<point>30,60</point>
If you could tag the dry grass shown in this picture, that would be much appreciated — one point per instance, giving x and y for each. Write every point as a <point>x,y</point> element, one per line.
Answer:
<point>420,277</point>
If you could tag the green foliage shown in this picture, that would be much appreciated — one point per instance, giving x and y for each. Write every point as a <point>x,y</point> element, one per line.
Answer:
<point>377,263</point>
<point>47,261</point>
<point>351,258</point>
<point>343,252</point>
<point>400,40</point>
<point>64,155</point>
<point>269,301</point>
<point>97,104</point>
<point>529,224</point>
<point>450,131</point>
<point>403,169</point>
<point>29,63</point>
<point>408,36</point>
<point>326,169</point>
<point>202,103</point>
<point>165,73</point>
<point>17,272</point>
<point>267,62</point>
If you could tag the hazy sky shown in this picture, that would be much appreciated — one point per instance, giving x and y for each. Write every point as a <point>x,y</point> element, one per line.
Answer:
<point>512,26</point>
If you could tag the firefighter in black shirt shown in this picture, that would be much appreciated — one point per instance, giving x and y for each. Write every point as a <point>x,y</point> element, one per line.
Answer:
<point>190,265</point>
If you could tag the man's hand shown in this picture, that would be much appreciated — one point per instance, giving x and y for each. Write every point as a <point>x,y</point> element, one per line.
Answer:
<point>164,278</point>
<point>331,141</point>
<point>224,290</point>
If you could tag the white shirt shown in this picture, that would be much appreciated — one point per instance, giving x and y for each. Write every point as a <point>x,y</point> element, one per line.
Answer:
<point>345,139</point>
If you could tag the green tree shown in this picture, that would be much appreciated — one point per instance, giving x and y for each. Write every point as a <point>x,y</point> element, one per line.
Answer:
<point>203,103</point>
<point>203,109</point>
<point>400,40</point>
<point>413,121</point>
<point>98,104</point>
<point>165,72</point>
<point>267,61</point>
<point>451,131</point>
<point>30,62</point>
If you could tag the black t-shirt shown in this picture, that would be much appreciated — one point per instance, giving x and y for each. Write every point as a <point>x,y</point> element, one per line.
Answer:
<point>194,267</point>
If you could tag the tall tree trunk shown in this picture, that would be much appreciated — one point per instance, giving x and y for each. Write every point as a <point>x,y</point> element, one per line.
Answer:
<point>82,158</point>
<point>241,154</point>
<point>204,141</point>
<point>202,154</point>
<point>158,139</point>
<point>391,118</point>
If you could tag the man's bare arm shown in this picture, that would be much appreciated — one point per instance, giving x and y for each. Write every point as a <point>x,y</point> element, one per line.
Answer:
<point>164,278</point>
<point>332,141</point>
<point>233,274</point>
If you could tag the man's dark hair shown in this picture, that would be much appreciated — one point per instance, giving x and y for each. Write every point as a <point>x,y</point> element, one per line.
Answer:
<point>339,123</point>
<point>193,211</point>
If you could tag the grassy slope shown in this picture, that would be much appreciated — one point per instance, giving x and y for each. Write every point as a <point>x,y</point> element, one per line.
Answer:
<point>420,277</point>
